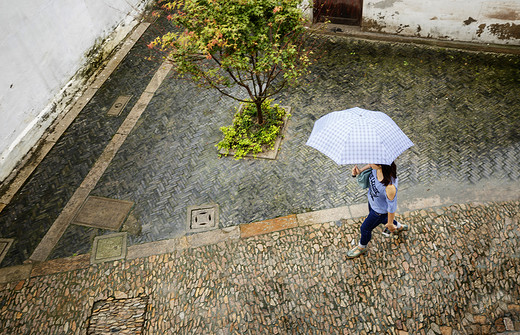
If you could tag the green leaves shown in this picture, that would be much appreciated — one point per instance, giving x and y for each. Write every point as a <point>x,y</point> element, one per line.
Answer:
<point>246,136</point>
<point>249,43</point>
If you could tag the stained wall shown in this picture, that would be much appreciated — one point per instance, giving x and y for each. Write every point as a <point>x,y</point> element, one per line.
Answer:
<point>43,45</point>
<point>478,21</point>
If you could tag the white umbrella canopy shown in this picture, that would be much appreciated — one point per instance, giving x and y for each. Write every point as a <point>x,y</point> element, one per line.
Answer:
<point>358,136</point>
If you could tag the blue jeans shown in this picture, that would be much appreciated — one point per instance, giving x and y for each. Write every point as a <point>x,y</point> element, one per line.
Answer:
<point>373,220</point>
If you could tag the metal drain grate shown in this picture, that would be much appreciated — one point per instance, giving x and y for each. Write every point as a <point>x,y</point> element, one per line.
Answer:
<point>202,218</point>
<point>119,105</point>
<point>116,316</point>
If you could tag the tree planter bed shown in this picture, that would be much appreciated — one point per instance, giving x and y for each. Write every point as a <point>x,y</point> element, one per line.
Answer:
<point>267,152</point>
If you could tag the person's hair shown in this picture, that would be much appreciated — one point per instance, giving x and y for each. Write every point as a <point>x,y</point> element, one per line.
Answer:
<point>389,173</point>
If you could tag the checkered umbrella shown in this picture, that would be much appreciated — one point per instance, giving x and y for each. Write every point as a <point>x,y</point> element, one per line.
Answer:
<point>358,136</point>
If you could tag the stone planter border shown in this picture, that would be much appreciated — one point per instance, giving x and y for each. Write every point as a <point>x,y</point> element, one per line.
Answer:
<point>271,153</point>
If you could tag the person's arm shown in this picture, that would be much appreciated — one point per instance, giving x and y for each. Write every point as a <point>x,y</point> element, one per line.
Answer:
<point>391,192</point>
<point>356,170</point>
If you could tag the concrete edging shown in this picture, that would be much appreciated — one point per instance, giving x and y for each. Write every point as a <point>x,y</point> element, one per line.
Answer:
<point>233,233</point>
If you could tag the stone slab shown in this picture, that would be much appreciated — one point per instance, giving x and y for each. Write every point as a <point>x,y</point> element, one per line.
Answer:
<point>5,244</point>
<point>358,210</point>
<point>26,171</point>
<point>420,203</point>
<point>61,265</point>
<point>213,237</point>
<point>136,34</point>
<point>268,226</point>
<point>326,215</point>
<point>103,162</point>
<point>156,248</point>
<point>15,273</point>
<point>114,62</point>
<point>159,76</point>
<point>109,248</point>
<point>152,17</point>
<point>135,114</point>
<point>103,213</point>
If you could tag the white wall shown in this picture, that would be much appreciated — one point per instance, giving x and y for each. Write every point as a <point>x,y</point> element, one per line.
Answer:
<point>481,21</point>
<point>43,43</point>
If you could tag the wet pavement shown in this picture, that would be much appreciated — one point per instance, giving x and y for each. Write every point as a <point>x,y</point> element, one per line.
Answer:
<point>456,271</point>
<point>462,111</point>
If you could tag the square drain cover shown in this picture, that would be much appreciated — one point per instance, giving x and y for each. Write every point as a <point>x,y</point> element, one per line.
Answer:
<point>116,316</point>
<point>103,213</point>
<point>202,218</point>
<point>119,105</point>
<point>108,248</point>
<point>5,244</point>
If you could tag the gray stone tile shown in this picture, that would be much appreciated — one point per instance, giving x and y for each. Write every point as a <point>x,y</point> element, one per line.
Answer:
<point>103,213</point>
<point>108,248</point>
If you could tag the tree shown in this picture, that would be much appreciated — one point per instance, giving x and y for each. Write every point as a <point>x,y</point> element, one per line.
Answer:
<point>258,45</point>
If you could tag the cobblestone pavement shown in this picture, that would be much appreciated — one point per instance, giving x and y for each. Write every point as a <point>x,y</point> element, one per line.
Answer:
<point>456,271</point>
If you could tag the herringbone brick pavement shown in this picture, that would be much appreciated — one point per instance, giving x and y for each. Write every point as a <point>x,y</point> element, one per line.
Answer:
<point>445,100</point>
<point>461,109</point>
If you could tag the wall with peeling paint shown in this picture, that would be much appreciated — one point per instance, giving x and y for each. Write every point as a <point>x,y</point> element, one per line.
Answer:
<point>43,44</point>
<point>479,21</point>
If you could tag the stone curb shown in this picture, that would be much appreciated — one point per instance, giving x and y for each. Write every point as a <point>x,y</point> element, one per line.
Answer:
<point>156,248</point>
<point>15,273</point>
<point>333,214</point>
<point>60,265</point>
<point>268,226</point>
<point>356,32</point>
<point>243,231</point>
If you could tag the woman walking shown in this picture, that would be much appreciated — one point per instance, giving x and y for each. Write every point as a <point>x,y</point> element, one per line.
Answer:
<point>382,204</point>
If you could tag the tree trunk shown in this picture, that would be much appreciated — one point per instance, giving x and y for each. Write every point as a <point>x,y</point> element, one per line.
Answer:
<point>259,113</point>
